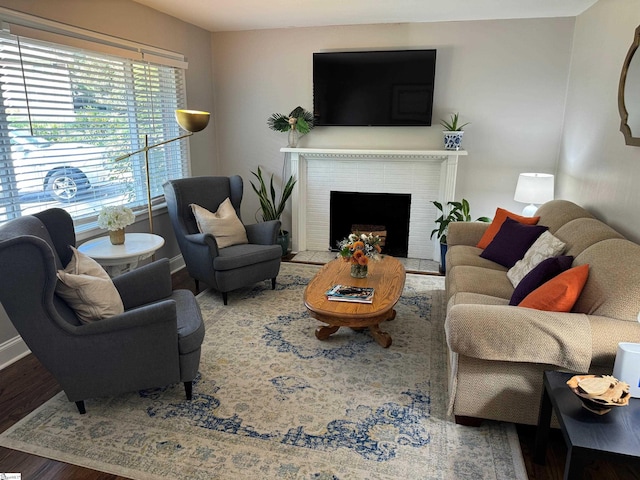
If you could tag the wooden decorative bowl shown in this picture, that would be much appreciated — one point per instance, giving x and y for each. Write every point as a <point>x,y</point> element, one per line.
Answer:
<point>600,393</point>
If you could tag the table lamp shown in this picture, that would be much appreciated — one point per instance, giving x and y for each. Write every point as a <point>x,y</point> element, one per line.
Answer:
<point>534,189</point>
<point>190,120</point>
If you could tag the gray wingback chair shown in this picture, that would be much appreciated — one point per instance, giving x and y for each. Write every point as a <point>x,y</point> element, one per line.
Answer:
<point>154,343</point>
<point>229,268</point>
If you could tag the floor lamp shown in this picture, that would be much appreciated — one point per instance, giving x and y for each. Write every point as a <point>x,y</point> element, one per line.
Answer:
<point>190,120</point>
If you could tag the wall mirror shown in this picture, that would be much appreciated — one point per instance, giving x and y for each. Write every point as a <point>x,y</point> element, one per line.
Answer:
<point>629,94</point>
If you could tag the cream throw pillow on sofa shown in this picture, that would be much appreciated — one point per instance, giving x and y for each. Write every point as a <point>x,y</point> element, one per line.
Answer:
<point>88,289</point>
<point>546,246</point>
<point>224,224</point>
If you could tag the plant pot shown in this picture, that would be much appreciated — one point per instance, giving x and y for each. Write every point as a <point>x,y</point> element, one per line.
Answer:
<point>283,241</point>
<point>443,255</point>
<point>116,236</point>
<point>452,140</point>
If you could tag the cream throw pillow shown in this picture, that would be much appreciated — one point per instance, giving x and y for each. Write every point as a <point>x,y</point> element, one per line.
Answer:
<point>88,289</point>
<point>546,246</point>
<point>224,224</point>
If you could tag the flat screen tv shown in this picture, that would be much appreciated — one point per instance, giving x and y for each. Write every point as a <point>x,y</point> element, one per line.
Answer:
<point>374,88</point>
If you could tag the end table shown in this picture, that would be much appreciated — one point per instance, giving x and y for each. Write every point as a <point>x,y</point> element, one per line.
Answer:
<point>612,436</point>
<point>118,259</point>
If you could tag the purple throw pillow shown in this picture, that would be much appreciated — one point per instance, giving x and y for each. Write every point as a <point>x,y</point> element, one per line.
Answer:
<point>511,242</point>
<point>540,274</point>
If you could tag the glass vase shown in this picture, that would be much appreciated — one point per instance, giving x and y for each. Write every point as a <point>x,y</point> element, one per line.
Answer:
<point>116,236</point>
<point>294,136</point>
<point>359,271</point>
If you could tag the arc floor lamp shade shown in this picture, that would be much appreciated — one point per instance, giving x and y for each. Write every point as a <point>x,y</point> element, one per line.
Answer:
<point>192,121</point>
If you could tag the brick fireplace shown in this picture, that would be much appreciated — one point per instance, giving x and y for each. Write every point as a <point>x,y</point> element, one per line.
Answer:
<point>424,174</point>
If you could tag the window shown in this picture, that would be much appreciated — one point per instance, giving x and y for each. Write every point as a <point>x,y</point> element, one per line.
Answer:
<point>67,113</point>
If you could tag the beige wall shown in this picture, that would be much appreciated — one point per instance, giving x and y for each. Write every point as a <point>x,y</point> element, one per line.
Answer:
<point>508,78</point>
<point>596,168</point>
<point>132,21</point>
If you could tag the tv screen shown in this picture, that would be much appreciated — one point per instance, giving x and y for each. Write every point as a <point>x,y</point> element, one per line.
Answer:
<point>375,88</point>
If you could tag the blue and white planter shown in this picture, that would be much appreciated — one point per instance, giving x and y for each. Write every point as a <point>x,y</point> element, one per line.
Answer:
<point>452,140</point>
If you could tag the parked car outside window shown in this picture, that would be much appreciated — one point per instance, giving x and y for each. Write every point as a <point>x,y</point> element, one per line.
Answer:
<point>61,169</point>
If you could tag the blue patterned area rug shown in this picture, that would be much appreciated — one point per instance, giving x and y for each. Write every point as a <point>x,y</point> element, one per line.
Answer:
<point>272,401</point>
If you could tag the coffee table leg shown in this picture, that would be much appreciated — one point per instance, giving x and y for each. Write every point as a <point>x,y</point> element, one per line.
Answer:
<point>383,338</point>
<point>323,332</point>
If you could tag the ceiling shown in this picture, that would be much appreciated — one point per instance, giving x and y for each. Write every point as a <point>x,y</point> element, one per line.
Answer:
<point>233,15</point>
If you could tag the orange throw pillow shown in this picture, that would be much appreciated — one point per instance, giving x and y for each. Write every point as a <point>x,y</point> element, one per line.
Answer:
<point>560,293</point>
<point>497,222</point>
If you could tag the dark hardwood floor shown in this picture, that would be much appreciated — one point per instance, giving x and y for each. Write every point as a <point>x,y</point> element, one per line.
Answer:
<point>26,384</point>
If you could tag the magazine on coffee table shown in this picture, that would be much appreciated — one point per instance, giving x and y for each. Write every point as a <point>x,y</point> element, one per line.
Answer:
<point>348,293</point>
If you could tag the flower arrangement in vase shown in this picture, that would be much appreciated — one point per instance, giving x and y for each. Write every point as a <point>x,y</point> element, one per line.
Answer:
<point>114,219</point>
<point>298,122</point>
<point>358,249</point>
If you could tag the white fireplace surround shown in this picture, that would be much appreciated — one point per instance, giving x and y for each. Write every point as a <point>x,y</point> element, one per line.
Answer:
<point>426,174</point>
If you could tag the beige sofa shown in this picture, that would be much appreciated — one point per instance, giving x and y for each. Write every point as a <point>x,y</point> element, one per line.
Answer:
<point>498,353</point>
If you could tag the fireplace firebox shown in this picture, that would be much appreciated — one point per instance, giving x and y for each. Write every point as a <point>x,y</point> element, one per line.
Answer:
<point>387,213</point>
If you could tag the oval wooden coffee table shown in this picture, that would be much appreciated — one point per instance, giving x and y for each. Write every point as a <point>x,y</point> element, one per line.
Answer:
<point>385,276</point>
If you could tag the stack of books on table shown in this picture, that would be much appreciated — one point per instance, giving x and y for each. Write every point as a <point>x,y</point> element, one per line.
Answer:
<point>347,293</point>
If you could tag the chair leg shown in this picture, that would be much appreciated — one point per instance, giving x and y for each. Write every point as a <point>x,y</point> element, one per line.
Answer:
<point>188,389</point>
<point>80,405</point>
<point>273,283</point>
<point>224,297</point>
<point>197,286</point>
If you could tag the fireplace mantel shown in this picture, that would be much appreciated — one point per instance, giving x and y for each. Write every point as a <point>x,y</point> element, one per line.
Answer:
<point>299,157</point>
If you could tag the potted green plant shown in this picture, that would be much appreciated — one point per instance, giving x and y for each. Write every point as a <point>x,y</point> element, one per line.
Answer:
<point>458,212</point>
<point>453,133</point>
<point>269,208</point>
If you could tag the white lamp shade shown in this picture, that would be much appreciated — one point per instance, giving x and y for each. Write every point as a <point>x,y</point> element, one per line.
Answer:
<point>534,188</point>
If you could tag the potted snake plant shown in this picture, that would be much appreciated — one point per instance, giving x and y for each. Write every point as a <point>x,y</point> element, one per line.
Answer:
<point>270,209</point>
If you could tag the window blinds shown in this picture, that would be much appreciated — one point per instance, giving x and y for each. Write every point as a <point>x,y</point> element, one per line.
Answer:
<point>67,113</point>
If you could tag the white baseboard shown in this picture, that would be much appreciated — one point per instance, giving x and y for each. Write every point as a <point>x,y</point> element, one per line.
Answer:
<point>176,263</point>
<point>14,349</point>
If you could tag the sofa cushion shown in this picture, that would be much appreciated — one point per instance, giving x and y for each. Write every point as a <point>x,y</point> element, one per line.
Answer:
<point>546,246</point>
<point>238,256</point>
<point>478,280</point>
<point>511,242</point>
<point>560,293</point>
<point>541,273</point>
<point>498,220</point>
<point>470,256</point>
<point>224,224</point>
<point>613,287</point>
<point>556,213</point>
<point>581,233</point>
<point>88,289</point>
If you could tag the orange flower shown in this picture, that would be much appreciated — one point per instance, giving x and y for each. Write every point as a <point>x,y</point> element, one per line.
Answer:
<point>363,260</point>
<point>358,254</point>
<point>358,245</point>
<point>377,247</point>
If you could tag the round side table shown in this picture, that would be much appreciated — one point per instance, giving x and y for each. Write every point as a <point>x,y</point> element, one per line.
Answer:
<point>118,259</point>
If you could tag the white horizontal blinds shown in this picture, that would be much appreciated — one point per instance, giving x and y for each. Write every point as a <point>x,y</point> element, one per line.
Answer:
<point>67,113</point>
